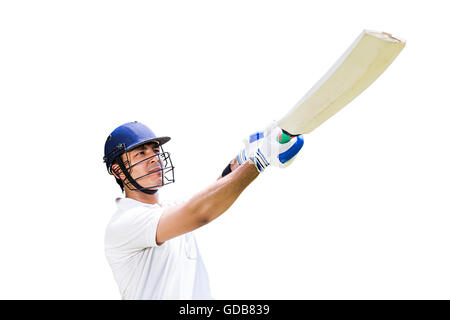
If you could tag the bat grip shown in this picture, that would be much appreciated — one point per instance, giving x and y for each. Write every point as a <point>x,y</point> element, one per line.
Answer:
<point>227,170</point>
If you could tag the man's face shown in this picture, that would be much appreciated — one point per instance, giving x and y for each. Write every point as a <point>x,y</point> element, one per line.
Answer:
<point>143,161</point>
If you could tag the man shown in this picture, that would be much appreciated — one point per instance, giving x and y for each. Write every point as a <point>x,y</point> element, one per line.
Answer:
<point>150,245</point>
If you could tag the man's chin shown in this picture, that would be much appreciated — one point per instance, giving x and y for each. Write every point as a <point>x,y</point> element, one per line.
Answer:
<point>156,185</point>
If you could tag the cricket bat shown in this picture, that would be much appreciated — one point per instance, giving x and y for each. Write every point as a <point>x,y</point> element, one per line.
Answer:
<point>360,65</point>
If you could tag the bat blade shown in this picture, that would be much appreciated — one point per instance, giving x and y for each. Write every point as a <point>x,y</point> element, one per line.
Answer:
<point>362,63</point>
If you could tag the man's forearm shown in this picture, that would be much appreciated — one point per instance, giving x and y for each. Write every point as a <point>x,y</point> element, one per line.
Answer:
<point>217,198</point>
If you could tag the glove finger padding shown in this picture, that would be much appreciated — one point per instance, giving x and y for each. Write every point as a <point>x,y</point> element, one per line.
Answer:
<point>287,157</point>
<point>280,154</point>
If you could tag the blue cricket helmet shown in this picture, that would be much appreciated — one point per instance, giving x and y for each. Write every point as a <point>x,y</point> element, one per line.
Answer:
<point>127,137</point>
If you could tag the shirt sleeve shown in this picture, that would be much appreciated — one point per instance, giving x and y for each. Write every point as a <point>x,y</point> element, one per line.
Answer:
<point>135,229</point>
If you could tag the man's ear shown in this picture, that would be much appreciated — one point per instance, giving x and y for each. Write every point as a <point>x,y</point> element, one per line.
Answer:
<point>117,172</point>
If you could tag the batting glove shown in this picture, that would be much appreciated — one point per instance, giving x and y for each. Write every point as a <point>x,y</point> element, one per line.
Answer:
<point>270,147</point>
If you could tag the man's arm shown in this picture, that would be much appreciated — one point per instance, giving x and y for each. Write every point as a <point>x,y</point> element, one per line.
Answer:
<point>206,205</point>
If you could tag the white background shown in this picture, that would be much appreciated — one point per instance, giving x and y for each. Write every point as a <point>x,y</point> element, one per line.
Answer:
<point>363,213</point>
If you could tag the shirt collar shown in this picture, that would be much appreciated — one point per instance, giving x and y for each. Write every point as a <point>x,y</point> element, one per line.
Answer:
<point>128,203</point>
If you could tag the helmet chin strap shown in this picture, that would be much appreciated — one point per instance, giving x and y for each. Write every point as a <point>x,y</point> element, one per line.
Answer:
<point>132,181</point>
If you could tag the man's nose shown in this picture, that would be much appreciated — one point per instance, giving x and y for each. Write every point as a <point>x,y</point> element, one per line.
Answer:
<point>153,156</point>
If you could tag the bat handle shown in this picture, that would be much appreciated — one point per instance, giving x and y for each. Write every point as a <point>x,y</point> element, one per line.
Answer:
<point>227,170</point>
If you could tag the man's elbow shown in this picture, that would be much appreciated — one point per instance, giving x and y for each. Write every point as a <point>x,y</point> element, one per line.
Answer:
<point>203,221</point>
<point>201,215</point>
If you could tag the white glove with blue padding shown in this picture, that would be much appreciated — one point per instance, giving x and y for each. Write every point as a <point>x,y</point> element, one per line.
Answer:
<point>270,147</point>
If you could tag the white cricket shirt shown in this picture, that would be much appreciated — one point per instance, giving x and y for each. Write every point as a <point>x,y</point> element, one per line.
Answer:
<point>144,270</point>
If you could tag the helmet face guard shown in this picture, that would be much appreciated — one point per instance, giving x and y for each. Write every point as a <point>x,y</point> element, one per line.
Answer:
<point>165,170</point>
<point>128,137</point>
